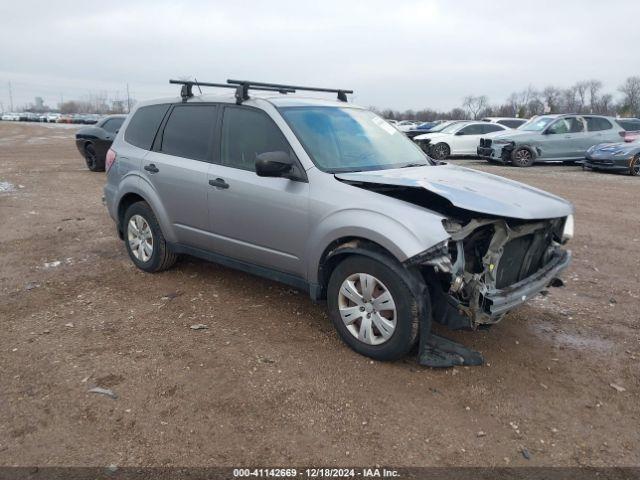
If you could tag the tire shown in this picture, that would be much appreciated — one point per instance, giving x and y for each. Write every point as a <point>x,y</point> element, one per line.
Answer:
<point>405,318</point>
<point>440,151</point>
<point>634,167</point>
<point>91,158</point>
<point>522,157</point>
<point>159,256</point>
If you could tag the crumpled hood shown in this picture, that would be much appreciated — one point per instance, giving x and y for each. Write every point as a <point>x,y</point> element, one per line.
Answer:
<point>510,135</point>
<point>472,190</point>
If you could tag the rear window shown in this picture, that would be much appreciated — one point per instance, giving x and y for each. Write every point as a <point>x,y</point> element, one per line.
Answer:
<point>597,124</point>
<point>189,131</point>
<point>113,124</point>
<point>629,124</point>
<point>142,128</point>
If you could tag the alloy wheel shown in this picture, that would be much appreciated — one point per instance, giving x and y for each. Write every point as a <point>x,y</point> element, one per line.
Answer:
<point>90,155</point>
<point>367,308</point>
<point>140,238</point>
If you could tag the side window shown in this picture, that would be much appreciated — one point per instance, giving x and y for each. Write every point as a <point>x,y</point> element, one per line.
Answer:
<point>491,127</point>
<point>247,133</point>
<point>189,131</point>
<point>559,126</point>
<point>629,124</point>
<point>475,129</point>
<point>142,128</point>
<point>576,125</point>
<point>113,124</point>
<point>597,124</point>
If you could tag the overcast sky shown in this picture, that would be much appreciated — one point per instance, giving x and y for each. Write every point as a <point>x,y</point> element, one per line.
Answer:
<point>399,54</point>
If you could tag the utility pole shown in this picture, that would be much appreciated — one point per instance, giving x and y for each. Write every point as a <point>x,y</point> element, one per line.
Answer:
<point>128,100</point>
<point>10,97</point>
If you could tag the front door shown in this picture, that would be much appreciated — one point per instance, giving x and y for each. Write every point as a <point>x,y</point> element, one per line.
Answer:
<point>259,220</point>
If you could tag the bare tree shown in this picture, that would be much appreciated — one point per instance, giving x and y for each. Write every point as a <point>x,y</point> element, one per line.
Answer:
<point>552,98</point>
<point>630,90</point>
<point>581,89</point>
<point>594,88</point>
<point>475,105</point>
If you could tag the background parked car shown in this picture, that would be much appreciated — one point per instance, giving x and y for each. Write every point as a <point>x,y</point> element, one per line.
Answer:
<point>459,138</point>
<point>406,125</point>
<point>93,142</point>
<point>551,138</point>
<point>510,122</point>
<point>619,157</point>
<point>419,129</point>
<point>11,117</point>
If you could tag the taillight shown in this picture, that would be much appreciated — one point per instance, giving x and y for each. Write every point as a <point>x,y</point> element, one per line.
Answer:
<point>110,159</point>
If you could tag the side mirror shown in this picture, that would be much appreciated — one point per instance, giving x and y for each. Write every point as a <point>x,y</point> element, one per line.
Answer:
<point>460,132</point>
<point>274,164</point>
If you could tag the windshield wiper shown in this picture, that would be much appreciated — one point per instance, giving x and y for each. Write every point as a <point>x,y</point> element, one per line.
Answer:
<point>414,164</point>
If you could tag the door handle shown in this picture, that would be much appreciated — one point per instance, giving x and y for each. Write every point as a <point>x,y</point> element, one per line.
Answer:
<point>151,168</point>
<point>219,183</point>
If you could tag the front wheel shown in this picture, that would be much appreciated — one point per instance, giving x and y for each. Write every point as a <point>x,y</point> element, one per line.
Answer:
<point>522,157</point>
<point>373,308</point>
<point>634,167</point>
<point>440,151</point>
<point>144,240</point>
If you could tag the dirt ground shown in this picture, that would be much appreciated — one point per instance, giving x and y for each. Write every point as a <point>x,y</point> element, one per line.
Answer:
<point>269,382</point>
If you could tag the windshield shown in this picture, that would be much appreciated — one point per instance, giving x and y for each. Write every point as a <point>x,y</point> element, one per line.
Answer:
<point>343,139</point>
<point>537,124</point>
<point>452,127</point>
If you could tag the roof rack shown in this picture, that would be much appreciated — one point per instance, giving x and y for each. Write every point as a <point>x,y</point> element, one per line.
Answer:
<point>187,88</point>
<point>242,92</point>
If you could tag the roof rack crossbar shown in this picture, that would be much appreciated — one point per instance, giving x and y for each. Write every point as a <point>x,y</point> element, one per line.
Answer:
<point>342,93</point>
<point>187,88</point>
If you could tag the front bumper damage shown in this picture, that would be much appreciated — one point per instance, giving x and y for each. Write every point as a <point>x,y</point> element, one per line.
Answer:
<point>491,266</point>
<point>495,151</point>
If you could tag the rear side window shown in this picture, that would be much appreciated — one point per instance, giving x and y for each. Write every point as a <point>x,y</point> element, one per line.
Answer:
<point>597,124</point>
<point>629,124</point>
<point>492,127</point>
<point>189,131</point>
<point>511,123</point>
<point>142,128</point>
<point>247,133</point>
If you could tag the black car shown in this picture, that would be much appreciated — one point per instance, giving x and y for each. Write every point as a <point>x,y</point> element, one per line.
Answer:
<point>93,142</point>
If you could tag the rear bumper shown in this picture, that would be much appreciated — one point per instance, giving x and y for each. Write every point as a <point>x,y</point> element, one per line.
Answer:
<point>499,302</point>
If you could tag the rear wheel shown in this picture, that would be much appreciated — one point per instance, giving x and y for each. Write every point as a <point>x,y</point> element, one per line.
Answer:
<point>91,157</point>
<point>634,168</point>
<point>372,308</point>
<point>144,240</point>
<point>522,157</point>
<point>440,151</point>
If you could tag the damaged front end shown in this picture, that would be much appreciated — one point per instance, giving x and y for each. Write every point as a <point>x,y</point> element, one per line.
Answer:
<point>491,265</point>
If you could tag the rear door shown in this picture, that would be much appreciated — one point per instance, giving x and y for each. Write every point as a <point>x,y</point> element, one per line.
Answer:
<point>177,169</point>
<point>259,220</point>
<point>601,130</point>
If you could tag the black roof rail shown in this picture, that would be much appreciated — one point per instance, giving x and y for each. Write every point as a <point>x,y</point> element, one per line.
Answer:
<point>244,85</point>
<point>187,88</point>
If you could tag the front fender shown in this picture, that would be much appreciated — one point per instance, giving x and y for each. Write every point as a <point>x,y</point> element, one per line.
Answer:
<point>402,240</point>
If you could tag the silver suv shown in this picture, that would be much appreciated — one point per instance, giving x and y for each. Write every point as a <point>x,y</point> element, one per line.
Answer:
<point>331,199</point>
